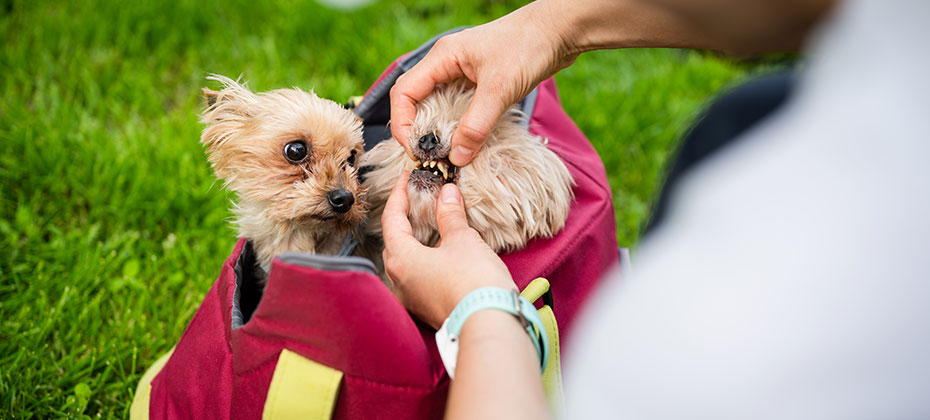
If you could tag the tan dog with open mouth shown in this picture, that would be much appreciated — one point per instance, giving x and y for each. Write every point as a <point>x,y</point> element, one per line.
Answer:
<point>290,157</point>
<point>515,188</point>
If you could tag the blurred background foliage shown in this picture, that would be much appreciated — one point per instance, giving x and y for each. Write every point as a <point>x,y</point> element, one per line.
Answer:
<point>112,228</point>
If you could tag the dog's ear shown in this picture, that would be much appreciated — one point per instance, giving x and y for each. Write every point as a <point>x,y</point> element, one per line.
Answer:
<point>231,103</point>
<point>529,197</point>
<point>210,96</point>
<point>228,113</point>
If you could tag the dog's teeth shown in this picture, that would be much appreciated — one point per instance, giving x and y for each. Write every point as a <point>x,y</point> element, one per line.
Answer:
<point>419,165</point>
<point>442,168</point>
<point>432,164</point>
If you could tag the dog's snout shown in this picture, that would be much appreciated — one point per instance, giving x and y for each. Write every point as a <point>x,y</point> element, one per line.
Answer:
<point>428,143</point>
<point>340,200</point>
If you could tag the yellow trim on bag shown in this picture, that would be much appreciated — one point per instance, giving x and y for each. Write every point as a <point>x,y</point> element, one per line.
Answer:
<point>301,389</point>
<point>552,377</point>
<point>535,289</point>
<point>139,410</point>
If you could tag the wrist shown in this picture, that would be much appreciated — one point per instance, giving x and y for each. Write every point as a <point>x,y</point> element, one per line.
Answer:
<point>453,299</point>
<point>588,25</point>
<point>580,26</point>
<point>554,22</point>
<point>493,328</point>
<point>507,301</point>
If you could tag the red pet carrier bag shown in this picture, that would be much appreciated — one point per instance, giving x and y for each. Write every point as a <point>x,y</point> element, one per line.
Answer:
<point>327,339</point>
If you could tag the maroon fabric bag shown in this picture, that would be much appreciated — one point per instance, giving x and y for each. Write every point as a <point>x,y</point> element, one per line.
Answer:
<point>335,311</point>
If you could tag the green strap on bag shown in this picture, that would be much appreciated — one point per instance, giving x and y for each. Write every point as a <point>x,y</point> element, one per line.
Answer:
<point>552,377</point>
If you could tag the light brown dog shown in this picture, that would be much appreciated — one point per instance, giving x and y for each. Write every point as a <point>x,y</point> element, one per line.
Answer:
<point>514,190</point>
<point>290,157</point>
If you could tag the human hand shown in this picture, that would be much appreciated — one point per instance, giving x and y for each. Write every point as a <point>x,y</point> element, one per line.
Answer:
<point>508,57</point>
<point>505,59</point>
<point>429,282</point>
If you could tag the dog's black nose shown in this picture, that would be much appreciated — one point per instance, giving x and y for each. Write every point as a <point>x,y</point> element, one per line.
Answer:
<point>340,200</point>
<point>428,143</point>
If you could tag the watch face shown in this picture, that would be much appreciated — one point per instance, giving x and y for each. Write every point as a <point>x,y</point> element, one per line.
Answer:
<point>448,346</point>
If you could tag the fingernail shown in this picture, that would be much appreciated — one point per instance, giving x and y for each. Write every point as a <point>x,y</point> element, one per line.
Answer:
<point>449,194</point>
<point>460,155</point>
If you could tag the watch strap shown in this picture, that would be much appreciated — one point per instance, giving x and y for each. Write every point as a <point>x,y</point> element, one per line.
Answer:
<point>505,300</point>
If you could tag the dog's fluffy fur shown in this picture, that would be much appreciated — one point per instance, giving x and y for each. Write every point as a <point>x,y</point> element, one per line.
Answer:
<point>283,206</point>
<point>515,188</point>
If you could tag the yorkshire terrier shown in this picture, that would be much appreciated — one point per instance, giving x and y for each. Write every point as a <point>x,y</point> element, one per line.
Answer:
<point>515,189</point>
<point>290,157</point>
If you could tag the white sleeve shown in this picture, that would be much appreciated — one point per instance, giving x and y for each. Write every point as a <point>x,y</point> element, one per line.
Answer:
<point>791,278</point>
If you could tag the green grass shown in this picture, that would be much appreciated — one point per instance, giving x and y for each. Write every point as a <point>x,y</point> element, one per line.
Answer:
<point>111,227</point>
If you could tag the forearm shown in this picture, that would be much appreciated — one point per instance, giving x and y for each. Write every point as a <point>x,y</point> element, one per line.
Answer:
<point>497,375</point>
<point>606,24</point>
<point>729,25</point>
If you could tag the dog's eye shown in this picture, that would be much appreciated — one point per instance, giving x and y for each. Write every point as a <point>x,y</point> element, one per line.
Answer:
<point>295,151</point>
<point>351,159</point>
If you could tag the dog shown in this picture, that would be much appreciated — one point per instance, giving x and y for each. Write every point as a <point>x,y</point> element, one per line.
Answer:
<point>515,189</point>
<point>291,158</point>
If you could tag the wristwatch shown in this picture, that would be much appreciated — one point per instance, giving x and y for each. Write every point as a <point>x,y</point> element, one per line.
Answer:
<point>505,300</point>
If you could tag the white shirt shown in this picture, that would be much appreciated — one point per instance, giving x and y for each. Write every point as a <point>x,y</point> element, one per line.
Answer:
<point>791,278</point>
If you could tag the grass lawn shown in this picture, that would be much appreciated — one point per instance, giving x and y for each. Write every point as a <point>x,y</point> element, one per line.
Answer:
<point>111,227</point>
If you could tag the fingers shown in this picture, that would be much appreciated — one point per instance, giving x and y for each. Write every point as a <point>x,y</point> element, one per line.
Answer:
<point>399,243</point>
<point>403,112</point>
<point>394,224</point>
<point>439,66</point>
<point>485,110</point>
<point>450,212</point>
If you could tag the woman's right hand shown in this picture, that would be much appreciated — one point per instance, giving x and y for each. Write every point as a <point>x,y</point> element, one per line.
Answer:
<point>505,59</point>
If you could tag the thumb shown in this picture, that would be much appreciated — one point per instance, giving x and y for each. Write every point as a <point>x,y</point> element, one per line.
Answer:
<point>450,212</point>
<point>485,109</point>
